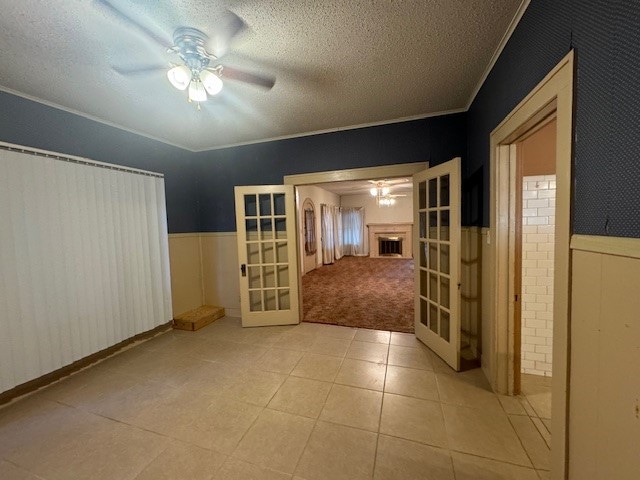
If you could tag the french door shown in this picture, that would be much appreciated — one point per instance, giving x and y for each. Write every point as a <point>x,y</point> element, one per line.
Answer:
<point>436,207</point>
<point>267,255</point>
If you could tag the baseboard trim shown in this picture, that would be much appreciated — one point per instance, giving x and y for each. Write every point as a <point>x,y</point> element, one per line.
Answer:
<point>44,380</point>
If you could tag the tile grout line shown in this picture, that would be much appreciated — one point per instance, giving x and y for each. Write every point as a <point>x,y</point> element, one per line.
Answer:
<point>521,441</point>
<point>444,423</point>
<point>384,384</point>
<point>20,467</point>
<point>542,435</point>
<point>505,462</point>
<point>538,417</point>
<point>317,419</point>
<point>168,438</point>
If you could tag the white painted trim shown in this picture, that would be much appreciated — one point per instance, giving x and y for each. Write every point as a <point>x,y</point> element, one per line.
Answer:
<point>378,123</point>
<point>365,173</point>
<point>503,43</point>
<point>619,246</point>
<point>90,117</point>
<point>554,92</point>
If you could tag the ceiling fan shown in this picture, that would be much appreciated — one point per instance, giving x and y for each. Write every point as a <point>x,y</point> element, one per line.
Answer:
<point>382,191</point>
<point>197,70</point>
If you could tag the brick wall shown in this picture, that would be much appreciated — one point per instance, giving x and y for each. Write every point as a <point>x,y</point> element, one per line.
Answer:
<point>538,237</point>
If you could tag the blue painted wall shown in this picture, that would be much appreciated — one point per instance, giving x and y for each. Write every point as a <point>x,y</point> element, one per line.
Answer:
<point>433,140</point>
<point>606,39</point>
<point>29,123</point>
<point>199,186</point>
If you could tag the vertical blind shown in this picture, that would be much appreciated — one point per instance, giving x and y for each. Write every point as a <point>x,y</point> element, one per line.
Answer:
<point>84,260</point>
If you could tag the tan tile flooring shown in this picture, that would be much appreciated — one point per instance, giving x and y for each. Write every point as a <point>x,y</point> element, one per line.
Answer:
<point>307,402</point>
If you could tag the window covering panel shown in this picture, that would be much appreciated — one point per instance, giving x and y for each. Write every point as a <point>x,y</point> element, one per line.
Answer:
<point>84,260</point>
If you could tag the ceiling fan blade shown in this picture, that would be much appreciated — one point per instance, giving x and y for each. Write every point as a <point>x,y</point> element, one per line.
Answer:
<point>246,77</point>
<point>120,15</point>
<point>131,71</point>
<point>227,28</point>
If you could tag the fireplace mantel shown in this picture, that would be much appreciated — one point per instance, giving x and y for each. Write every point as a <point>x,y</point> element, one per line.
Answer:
<point>401,230</point>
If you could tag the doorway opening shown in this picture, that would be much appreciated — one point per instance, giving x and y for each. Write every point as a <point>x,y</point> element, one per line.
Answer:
<point>365,272</point>
<point>534,164</point>
<point>550,101</point>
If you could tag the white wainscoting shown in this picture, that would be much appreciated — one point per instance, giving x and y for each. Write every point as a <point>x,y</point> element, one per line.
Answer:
<point>221,271</point>
<point>205,270</point>
<point>605,358</point>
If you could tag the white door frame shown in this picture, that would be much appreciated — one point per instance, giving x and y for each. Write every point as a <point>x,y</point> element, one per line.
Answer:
<point>553,94</point>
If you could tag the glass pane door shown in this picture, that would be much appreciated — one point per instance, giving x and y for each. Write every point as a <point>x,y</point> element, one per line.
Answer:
<point>437,212</point>
<point>267,255</point>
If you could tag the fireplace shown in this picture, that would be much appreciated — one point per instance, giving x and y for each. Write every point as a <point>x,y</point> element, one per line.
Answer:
<point>390,240</point>
<point>390,246</point>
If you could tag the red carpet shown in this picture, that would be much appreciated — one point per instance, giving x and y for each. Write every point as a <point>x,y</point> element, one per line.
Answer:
<point>361,292</point>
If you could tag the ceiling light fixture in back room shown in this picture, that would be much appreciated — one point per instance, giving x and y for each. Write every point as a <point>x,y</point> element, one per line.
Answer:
<point>383,195</point>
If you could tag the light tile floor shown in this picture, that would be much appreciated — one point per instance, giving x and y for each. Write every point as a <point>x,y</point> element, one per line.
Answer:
<point>305,402</point>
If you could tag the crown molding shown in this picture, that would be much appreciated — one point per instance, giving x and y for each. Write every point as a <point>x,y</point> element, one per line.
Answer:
<point>505,38</point>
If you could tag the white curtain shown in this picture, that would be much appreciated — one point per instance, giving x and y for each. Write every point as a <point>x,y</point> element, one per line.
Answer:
<point>342,232</point>
<point>352,230</point>
<point>84,260</point>
<point>328,237</point>
<point>337,233</point>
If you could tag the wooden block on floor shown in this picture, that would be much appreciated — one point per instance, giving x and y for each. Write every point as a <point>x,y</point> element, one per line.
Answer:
<point>197,318</point>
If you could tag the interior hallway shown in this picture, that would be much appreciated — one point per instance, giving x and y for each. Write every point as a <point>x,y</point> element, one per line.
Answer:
<point>309,401</point>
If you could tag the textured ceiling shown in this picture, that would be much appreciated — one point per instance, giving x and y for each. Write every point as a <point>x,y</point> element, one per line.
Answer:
<point>360,187</point>
<point>337,63</point>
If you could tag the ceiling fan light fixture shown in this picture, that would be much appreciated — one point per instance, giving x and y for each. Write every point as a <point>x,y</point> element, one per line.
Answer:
<point>197,93</point>
<point>382,194</point>
<point>180,77</point>
<point>211,82</point>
